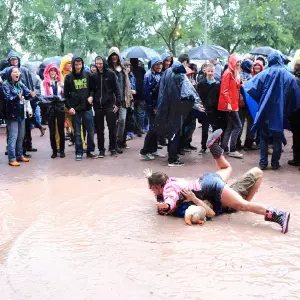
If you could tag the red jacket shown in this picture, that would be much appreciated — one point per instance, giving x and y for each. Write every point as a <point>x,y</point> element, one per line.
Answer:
<point>230,87</point>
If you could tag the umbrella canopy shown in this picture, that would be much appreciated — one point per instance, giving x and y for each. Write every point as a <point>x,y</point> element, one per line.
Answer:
<point>208,52</point>
<point>266,51</point>
<point>139,52</point>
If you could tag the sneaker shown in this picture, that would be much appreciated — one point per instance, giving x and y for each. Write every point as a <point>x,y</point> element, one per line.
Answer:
<point>202,151</point>
<point>191,147</point>
<point>214,137</point>
<point>263,167</point>
<point>181,152</point>
<point>294,163</point>
<point>62,154</point>
<point>176,163</point>
<point>276,167</point>
<point>114,153</point>
<point>91,155</point>
<point>280,217</point>
<point>157,154</point>
<point>54,155</point>
<point>187,150</point>
<point>101,154</point>
<point>26,155</point>
<point>14,164</point>
<point>23,159</point>
<point>71,144</point>
<point>78,157</point>
<point>125,146</point>
<point>147,157</point>
<point>235,154</point>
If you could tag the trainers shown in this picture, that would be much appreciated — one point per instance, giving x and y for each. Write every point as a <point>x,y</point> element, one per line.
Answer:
<point>176,163</point>
<point>262,167</point>
<point>14,164</point>
<point>23,159</point>
<point>187,150</point>
<point>101,154</point>
<point>78,157</point>
<point>294,163</point>
<point>114,153</point>
<point>214,137</point>
<point>181,152</point>
<point>280,217</point>
<point>190,147</point>
<point>62,154</point>
<point>54,155</point>
<point>276,167</point>
<point>157,154</point>
<point>235,154</point>
<point>202,151</point>
<point>91,155</point>
<point>147,157</point>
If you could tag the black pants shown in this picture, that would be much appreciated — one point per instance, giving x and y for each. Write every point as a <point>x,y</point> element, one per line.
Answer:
<point>111,120</point>
<point>60,117</point>
<point>150,143</point>
<point>295,126</point>
<point>27,143</point>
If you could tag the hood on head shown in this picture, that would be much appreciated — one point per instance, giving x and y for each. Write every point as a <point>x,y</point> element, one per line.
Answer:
<point>113,50</point>
<point>65,60</point>
<point>260,64</point>
<point>75,57</point>
<point>275,58</point>
<point>232,61</point>
<point>47,73</point>
<point>155,60</point>
<point>11,54</point>
<point>8,72</point>
<point>178,68</point>
<point>247,66</point>
<point>105,65</point>
<point>164,56</point>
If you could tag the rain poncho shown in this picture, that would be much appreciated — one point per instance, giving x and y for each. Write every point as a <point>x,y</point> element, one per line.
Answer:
<point>277,93</point>
<point>176,99</point>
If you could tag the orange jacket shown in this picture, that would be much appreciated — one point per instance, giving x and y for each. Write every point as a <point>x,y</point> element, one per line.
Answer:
<point>230,87</point>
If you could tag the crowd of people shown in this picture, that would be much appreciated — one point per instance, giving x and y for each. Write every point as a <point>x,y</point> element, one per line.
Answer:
<point>163,103</point>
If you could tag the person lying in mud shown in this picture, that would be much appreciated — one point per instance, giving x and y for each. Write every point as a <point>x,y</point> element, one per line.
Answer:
<point>213,187</point>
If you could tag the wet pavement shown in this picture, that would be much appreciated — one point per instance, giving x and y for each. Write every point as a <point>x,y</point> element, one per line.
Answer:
<point>89,230</point>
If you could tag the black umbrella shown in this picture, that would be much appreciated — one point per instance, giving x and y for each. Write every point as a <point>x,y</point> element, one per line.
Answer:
<point>265,51</point>
<point>139,52</point>
<point>205,52</point>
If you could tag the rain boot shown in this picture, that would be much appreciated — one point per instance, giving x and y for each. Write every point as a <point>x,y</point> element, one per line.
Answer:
<point>280,217</point>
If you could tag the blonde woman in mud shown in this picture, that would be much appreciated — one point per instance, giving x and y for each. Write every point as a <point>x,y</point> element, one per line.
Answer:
<point>213,187</point>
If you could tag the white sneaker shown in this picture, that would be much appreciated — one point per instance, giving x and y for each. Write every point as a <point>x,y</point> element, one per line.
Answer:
<point>235,154</point>
<point>157,154</point>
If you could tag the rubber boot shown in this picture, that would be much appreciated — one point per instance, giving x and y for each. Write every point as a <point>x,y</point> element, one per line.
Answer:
<point>280,217</point>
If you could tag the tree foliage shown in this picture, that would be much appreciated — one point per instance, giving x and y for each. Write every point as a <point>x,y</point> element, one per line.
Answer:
<point>54,27</point>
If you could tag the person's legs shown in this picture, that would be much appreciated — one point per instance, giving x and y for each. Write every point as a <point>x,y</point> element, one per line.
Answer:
<point>27,144</point>
<point>173,148</point>
<point>88,121</point>
<point>12,135</point>
<point>236,129</point>
<point>264,142</point>
<point>20,139</point>
<point>99,122</point>
<point>76,122</point>
<point>277,149</point>
<point>60,117</point>
<point>242,115</point>
<point>121,123</point>
<point>112,125</point>
<point>205,128</point>
<point>150,143</point>
<point>227,134</point>
<point>224,168</point>
<point>52,130</point>
<point>258,175</point>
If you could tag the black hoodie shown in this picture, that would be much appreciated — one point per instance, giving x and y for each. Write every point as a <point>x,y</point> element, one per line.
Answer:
<point>209,94</point>
<point>77,88</point>
<point>107,92</point>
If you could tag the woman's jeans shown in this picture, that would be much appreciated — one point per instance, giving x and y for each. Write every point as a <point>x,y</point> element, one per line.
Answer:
<point>264,143</point>
<point>15,133</point>
<point>234,127</point>
<point>122,112</point>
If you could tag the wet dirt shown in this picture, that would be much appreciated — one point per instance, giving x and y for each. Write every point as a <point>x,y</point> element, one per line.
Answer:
<point>89,230</point>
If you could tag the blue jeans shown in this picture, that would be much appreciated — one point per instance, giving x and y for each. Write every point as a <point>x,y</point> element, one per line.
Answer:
<point>276,145</point>
<point>121,124</point>
<point>234,127</point>
<point>15,137</point>
<point>86,119</point>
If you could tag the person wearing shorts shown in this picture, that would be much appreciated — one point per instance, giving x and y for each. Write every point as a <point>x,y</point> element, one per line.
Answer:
<point>214,188</point>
